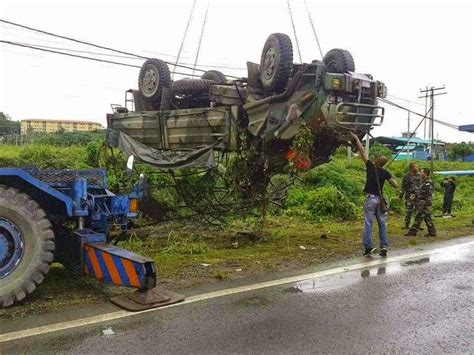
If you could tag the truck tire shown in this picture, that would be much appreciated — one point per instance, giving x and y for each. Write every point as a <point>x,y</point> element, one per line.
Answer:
<point>154,76</point>
<point>191,86</point>
<point>276,62</point>
<point>339,61</point>
<point>26,245</point>
<point>215,76</point>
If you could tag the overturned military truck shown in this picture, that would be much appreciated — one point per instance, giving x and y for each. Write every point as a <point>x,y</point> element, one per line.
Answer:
<point>180,124</point>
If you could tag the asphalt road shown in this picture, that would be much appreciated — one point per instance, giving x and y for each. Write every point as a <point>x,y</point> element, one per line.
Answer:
<point>424,305</point>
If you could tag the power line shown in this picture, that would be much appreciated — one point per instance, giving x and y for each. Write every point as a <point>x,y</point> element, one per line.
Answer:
<point>69,38</point>
<point>406,100</point>
<point>88,43</point>
<point>419,114</point>
<point>22,39</point>
<point>411,135</point>
<point>122,56</point>
<point>79,56</point>
<point>78,51</point>
<point>101,47</point>
<point>42,39</point>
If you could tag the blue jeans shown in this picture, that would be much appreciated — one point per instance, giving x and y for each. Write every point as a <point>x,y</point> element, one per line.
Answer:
<point>371,211</point>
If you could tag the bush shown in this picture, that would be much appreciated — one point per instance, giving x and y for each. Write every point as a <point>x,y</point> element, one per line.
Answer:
<point>321,203</point>
<point>50,157</point>
<point>8,155</point>
<point>379,149</point>
<point>67,139</point>
<point>460,151</point>
<point>340,152</point>
<point>334,174</point>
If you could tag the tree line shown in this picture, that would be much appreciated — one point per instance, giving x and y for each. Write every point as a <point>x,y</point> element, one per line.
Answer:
<point>7,125</point>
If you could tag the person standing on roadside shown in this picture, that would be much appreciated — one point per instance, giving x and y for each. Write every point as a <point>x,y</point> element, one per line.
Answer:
<point>449,186</point>
<point>375,179</point>
<point>424,199</point>
<point>410,186</point>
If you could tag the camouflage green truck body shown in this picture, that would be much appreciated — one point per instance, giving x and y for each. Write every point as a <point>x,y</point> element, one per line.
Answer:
<point>331,104</point>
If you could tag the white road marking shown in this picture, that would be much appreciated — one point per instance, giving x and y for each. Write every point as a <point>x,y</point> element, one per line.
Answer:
<point>210,295</point>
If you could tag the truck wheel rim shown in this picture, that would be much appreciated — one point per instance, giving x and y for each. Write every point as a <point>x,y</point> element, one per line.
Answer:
<point>150,82</point>
<point>11,247</point>
<point>270,63</point>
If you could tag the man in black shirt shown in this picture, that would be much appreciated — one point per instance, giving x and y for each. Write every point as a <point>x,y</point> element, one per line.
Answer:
<point>375,179</point>
<point>449,186</point>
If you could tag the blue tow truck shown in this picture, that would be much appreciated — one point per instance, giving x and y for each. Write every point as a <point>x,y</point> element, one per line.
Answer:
<point>67,216</point>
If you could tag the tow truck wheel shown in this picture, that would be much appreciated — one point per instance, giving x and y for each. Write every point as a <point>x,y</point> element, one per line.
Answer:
<point>276,62</point>
<point>26,245</point>
<point>154,76</point>
<point>339,61</point>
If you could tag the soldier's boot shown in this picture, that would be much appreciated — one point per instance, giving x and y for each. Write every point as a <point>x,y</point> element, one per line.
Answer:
<point>431,232</point>
<point>411,232</point>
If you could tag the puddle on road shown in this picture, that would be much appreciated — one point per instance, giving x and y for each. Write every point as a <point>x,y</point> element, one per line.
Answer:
<point>332,283</point>
<point>453,253</point>
<point>416,262</point>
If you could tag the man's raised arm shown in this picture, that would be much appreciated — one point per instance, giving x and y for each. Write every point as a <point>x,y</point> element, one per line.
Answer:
<point>393,183</point>
<point>360,148</point>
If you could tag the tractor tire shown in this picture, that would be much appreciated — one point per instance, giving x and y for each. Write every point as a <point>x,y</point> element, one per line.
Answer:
<point>191,86</point>
<point>214,75</point>
<point>154,76</point>
<point>26,245</point>
<point>339,61</point>
<point>276,62</point>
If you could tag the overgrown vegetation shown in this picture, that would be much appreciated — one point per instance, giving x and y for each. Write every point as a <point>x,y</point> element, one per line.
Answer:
<point>332,191</point>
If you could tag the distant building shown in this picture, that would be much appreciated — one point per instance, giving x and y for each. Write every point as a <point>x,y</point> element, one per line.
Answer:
<point>409,134</point>
<point>51,126</point>
<point>418,149</point>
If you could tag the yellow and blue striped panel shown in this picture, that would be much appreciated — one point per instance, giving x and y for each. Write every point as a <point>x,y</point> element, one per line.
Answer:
<point>114,265</point>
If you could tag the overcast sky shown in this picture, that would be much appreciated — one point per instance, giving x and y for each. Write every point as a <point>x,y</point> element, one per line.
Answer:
<point>406,44</point>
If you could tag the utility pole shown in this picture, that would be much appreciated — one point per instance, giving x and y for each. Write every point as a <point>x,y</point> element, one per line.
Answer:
<point>408,140</point>
<point>426,111</point>
<point>367,143</point>
<point>432,94</point>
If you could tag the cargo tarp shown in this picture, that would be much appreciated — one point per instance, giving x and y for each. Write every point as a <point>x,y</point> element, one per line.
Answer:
<point>163,159</point>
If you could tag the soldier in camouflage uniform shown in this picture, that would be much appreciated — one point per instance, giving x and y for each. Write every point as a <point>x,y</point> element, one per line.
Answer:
<point>424,199</point>
<point>410,186</point>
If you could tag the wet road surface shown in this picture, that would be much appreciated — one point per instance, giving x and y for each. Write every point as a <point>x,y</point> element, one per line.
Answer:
<point>425,304</point>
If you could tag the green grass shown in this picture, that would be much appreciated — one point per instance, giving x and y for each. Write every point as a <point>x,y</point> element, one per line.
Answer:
<point>9,154</point>
<point>281,248</point>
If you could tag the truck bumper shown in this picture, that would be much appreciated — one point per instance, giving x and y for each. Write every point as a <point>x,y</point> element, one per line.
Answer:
<point>116,266</point>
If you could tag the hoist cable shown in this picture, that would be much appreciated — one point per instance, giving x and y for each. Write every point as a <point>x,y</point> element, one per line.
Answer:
<point>200,37</point>
<point>314,29</point>
<point>185,34</point>
<point>294,30</point>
